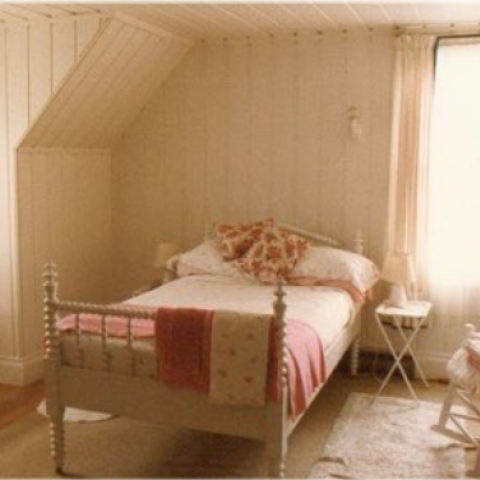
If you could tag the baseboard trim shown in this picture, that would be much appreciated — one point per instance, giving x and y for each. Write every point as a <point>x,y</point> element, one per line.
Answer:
<point>21,371</point>
<point>434,365</point>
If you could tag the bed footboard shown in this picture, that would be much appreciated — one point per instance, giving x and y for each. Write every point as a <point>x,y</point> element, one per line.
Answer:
<point>269,425</point>
<point>53,353</point>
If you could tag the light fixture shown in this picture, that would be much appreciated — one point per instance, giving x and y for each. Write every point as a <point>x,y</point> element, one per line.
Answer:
<point>398,270</point>
<point>353,115</point>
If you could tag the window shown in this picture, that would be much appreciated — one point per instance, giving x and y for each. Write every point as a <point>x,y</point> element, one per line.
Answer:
<point>454,167</point>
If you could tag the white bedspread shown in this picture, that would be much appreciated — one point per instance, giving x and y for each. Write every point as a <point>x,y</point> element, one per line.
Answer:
<point>327,310</point>
<point>239,358</point>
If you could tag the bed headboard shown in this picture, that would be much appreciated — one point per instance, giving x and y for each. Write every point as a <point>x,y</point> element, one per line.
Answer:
<point>324,239</point>
<point>316,238</point>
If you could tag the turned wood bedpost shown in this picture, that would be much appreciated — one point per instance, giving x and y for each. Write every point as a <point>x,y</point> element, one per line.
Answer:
<point>55,409</point>
<point>355,356</point>
<point>355,347</point>
<point>277,411</point>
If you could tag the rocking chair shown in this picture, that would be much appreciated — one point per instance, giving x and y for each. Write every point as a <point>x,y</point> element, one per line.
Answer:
<point>465,388</point>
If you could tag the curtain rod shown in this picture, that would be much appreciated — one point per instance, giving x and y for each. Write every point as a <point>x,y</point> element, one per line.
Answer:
<point>446,30</point>
<point>471,35</point>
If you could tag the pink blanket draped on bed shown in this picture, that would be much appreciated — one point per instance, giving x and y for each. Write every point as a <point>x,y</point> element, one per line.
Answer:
<point>183,342</point>
<point>308,281</point>
<point>176,329</point>
<point>305,362</point>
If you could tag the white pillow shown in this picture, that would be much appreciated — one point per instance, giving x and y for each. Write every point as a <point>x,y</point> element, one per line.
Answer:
<point>206,259</point>
<point>336,264</point>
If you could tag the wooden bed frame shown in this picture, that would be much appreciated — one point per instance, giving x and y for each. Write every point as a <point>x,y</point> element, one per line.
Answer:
<point>148,400</point>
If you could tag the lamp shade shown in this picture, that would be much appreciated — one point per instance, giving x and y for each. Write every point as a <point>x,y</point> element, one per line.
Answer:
<point>164,252</point>
<point>398,268</point>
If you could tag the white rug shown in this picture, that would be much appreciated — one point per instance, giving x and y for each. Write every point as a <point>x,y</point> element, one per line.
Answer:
<point>390,438</point>
<point>74,415</point>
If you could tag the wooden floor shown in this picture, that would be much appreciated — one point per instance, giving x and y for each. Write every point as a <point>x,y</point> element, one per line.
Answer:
<point>15,402</point>
<point>149,450</point>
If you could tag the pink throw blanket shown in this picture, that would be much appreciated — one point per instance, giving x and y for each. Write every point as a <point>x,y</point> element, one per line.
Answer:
<point>356,295</point>
<point>183,340</point>
<point>305,365</point>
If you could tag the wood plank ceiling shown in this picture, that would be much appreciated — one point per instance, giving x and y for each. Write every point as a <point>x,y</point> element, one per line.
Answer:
<point>202,20</point>
<point>111,83</point>
<point>25,13</point>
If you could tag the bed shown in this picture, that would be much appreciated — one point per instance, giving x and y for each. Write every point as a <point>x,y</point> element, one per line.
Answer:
<point>119,375</point>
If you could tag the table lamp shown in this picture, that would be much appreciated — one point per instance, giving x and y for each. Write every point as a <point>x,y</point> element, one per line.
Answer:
<point>398,270</point>
<point>165,251</point>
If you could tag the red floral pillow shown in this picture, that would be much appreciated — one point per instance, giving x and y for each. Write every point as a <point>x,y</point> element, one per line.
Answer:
<point>237,239</point>
<point>273,256</point>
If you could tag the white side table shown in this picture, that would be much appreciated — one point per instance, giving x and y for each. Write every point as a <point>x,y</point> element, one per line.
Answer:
<point>409,319</point>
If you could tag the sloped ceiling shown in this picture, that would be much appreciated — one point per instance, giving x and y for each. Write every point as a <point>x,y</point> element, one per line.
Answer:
<point>108,87</point>
<point>12,13</point>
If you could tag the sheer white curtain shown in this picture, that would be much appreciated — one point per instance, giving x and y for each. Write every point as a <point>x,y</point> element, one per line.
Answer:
<point>413,92</point>
<point>453,242</point>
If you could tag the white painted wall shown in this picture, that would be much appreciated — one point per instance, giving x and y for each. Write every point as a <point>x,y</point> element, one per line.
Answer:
<point>33,60</point>
<point>244,130</point>
<point>63,187</point>
<point>64,216</point>
<point>241,130</point>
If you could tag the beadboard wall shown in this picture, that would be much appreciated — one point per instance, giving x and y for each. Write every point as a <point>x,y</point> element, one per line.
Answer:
<point>65,215</point>
<point>242,129</point>
<point>33,61</point>
<point>246,129</point>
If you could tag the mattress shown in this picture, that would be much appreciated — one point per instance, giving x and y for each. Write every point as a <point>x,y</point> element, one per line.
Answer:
<point>327,310</point>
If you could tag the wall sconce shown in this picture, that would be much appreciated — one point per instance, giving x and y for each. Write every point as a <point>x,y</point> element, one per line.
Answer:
<point>353,115</point>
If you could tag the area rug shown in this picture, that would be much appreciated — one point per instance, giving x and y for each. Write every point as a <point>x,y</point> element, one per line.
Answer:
<point>390,438</point>
<point>75,415</point>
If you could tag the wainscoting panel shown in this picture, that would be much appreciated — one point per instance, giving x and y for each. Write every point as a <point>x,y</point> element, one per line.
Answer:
<point>64,216</point>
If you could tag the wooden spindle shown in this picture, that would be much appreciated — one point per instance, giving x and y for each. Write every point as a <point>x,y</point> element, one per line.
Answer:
<point>55,409</point>
<point>277,412</point>
<point>105,353</point>
<point>50,296</point>
<point>355,356</point>
<point>78,341</point>
<point>131,351</point>
<point>355,346</point>
<point>281,326</point>
<point>359,245</point>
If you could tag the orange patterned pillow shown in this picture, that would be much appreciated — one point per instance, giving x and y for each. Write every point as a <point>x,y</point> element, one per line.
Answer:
<point>273,256</point>
<point>237,239</point>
